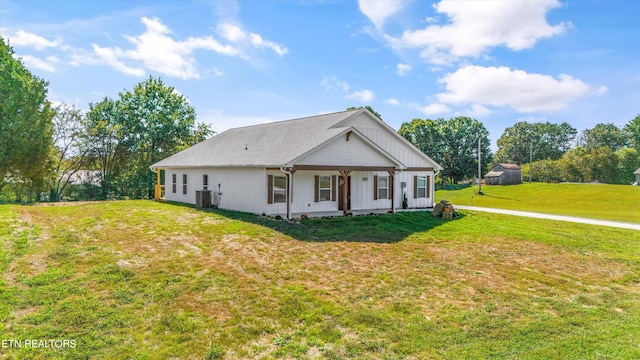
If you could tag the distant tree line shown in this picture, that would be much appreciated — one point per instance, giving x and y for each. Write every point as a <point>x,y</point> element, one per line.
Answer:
<point>604,153</point>
<point>546,151</point>
<point>43,148</point>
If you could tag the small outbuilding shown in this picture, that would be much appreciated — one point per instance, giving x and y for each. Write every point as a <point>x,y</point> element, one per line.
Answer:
<point>504,174</point>
<point>637,174</point>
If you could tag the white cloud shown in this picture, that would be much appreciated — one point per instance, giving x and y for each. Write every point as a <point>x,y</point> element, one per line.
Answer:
<point>157,50</point>
<point>434,109</point>
<point>476,26</point>
<point>502,86</point>
<point>362,96</point>
<point>392,101</point>
<point>378,11</point>
<point>236,34</point>
<point>403,69</point>
<point>331,82</point>
<point>33,62</point>
<point>23,38</point>
<point>110,56</point>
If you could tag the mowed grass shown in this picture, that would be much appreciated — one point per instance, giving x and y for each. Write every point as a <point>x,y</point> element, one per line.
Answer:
<point>149,280</point>
<point>598,201</point>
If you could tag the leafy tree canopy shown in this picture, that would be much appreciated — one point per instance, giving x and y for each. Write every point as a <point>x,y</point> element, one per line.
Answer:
<point>538,141</point>
<point>452,143</point>
<point>143,126</point>
<point>607,135</point>
<point>26,127</point>
<point>632,133</point>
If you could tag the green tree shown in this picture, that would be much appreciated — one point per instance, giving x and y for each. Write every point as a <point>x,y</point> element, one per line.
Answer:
<point>453,143</point>
<point>539,141</point>
<point>70,147</point>
<point>628,162</point>
<point>163,122</point>
<point>607,135</point>
<point>107,137</point>
<point>544,170</point>
<point>25,124</point>
<point>574,164</point>
<point>602,165</point>
<point>142,127</point>
<point>426,135</point>
<point>632,133</point>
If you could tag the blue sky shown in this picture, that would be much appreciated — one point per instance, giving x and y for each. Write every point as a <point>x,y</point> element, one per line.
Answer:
<point>247,62</point>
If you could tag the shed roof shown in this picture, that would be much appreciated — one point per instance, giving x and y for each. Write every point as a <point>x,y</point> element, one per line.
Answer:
<point>494,174</point>
<point>508,166</point>
<point>637,172</point>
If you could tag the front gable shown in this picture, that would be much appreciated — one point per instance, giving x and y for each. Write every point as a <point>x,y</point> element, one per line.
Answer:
<point>348,149</point>
<point>388,139</point>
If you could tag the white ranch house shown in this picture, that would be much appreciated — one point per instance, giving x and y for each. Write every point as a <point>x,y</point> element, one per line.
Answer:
<point>330,164</point>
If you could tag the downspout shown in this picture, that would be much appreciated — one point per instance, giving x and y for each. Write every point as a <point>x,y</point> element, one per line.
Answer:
<point>433,198</point>
<point>289,185</point>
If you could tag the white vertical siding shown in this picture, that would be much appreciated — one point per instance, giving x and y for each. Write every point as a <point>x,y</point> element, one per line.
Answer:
<point>407,177</point>
<point>397,148</point>
<point>341,152</point>
<point>243,189</point>
<point>362,191</point>
<point>303,192</point>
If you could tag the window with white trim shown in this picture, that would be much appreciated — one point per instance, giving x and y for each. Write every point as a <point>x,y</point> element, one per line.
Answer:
<point>324,188</point>
<point>174,180</point>
<point>383,187</point>
<point>279,189</point>
<point>422,186</point>
<point>205,182</point>
<point>184,184</point>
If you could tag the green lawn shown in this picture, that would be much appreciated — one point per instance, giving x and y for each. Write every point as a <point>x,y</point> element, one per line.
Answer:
<point>149,280</point>
<point>598,201</point>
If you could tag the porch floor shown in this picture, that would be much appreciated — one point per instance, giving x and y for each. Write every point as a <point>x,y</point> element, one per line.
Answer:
<point>296,215</point>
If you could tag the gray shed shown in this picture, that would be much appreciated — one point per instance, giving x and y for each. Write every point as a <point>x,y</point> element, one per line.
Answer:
<point>637,174</point>
<point>504,174</point>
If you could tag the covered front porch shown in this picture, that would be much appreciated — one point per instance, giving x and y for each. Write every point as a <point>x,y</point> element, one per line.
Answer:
<point>335,190</point>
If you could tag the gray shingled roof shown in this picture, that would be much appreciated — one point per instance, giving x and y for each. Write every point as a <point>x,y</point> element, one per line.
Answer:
<point>637,172</point>
<point>271,144</point>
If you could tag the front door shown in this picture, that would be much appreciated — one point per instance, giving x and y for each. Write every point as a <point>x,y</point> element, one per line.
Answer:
<point>341,193</point>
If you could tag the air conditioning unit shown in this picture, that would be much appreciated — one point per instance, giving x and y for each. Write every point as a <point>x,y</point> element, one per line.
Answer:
<point>203,199</point>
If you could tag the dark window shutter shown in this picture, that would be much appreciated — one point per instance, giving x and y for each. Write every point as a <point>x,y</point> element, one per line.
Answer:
<point>415,187</point>
<point>316,188</point>
<point>269,189</point>
<point>334,190</point>
<point>375,187</point>
<point>428,185</point>
<point>390,188</point>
